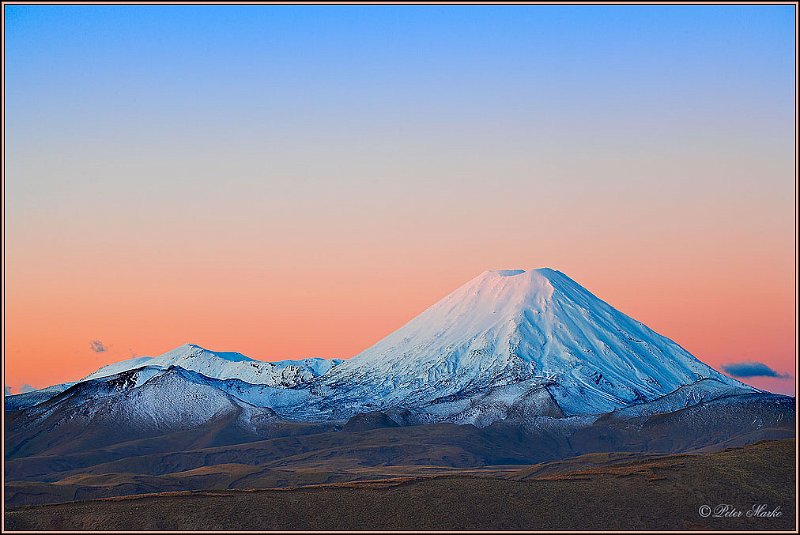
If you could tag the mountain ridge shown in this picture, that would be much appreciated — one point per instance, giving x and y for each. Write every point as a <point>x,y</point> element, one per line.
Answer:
<point>507,343</point>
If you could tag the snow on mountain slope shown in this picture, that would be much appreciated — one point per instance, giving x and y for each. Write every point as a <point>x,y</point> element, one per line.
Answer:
<point>513,326</point>
<point>121,366</point>
<point>509,344</point>
<point>520,402</point>
<point>34,397</point>
<point>227,365</point>
<point>149,399</point>
<point>689,395</point>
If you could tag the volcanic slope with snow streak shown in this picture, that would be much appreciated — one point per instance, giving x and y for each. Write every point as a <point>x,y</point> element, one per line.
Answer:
<point>535,328</point>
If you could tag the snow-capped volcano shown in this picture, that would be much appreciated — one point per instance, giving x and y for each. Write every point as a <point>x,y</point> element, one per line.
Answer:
<point>507,344</point>
<point>536,327</point>
<point>538,367</point>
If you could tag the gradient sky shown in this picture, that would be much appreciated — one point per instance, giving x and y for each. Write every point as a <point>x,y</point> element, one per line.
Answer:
<point>293,181</point>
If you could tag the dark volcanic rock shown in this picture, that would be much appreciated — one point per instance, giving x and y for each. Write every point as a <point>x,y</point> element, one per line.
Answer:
<point>367,421</point>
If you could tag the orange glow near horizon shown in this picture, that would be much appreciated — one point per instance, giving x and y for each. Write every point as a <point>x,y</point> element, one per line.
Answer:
<point>143,308</point>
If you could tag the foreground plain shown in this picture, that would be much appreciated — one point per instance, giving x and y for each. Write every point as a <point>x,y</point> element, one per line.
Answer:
<point>596,491</point>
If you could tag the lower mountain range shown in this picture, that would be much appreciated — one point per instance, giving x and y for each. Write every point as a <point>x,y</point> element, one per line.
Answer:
<point>513,368</point>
